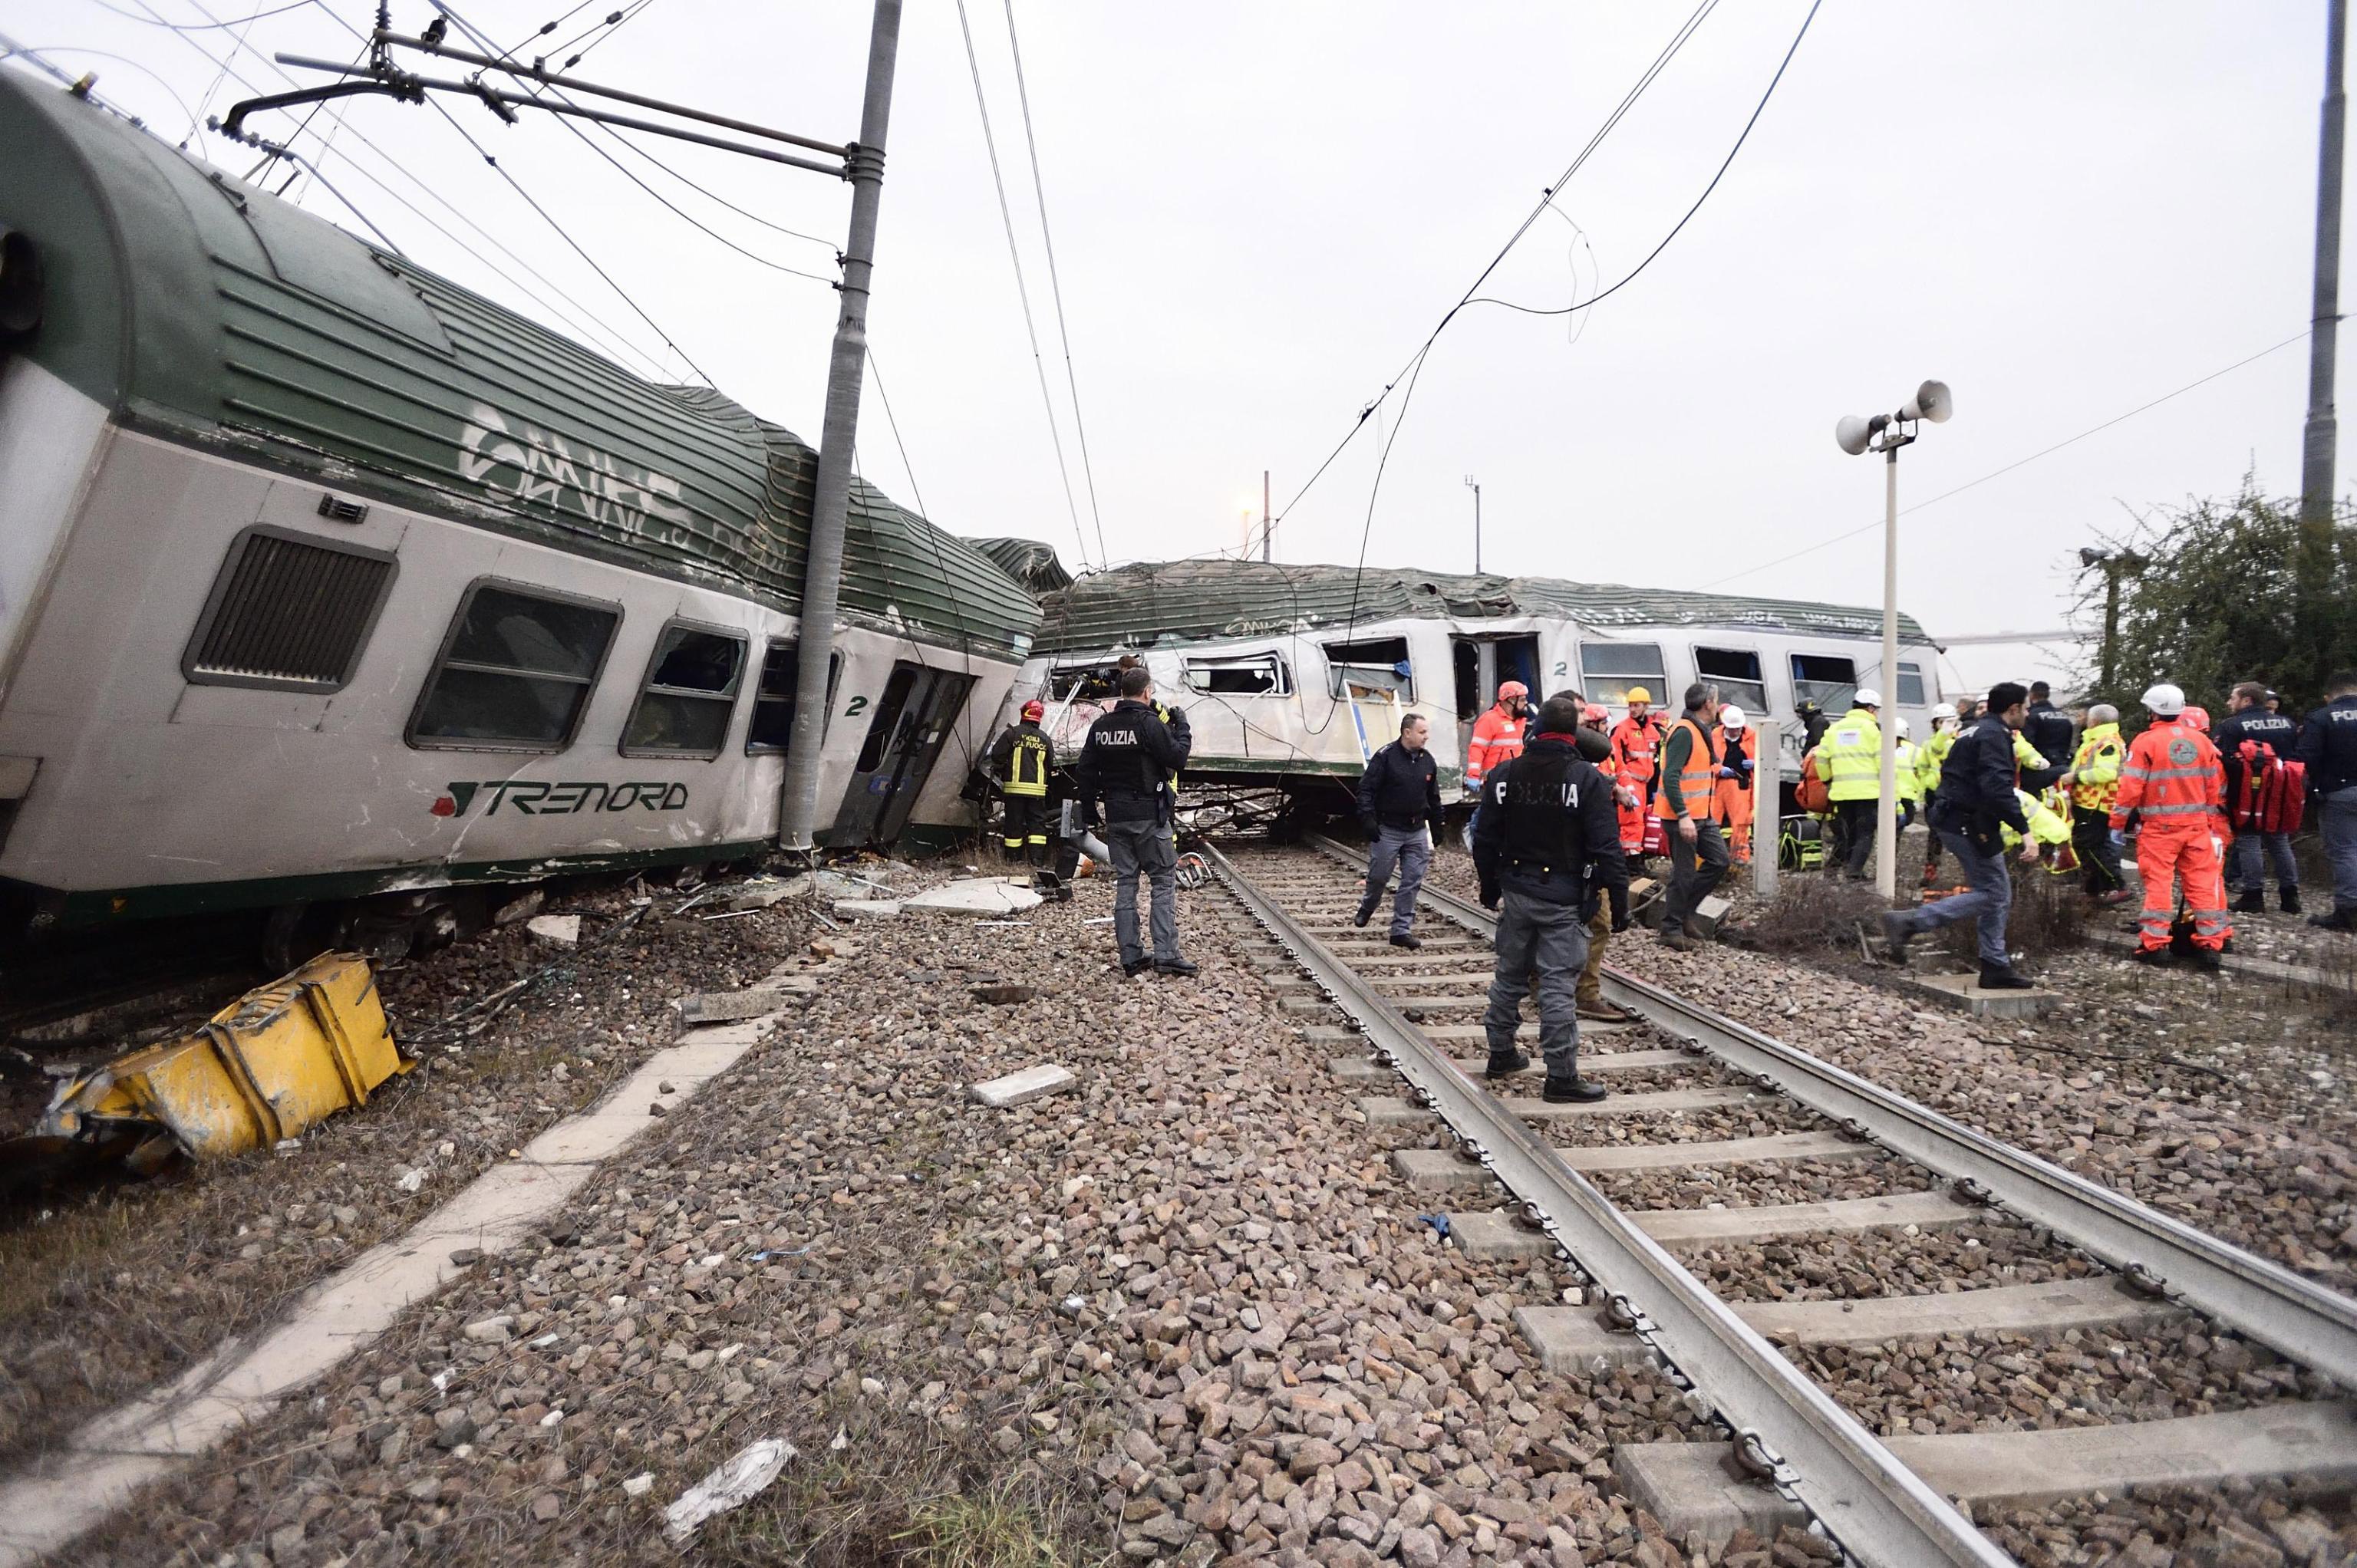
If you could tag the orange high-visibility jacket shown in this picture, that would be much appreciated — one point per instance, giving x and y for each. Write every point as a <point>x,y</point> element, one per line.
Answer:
<point>1735,806</point>
<point>1497,738</point>
<point>2172,780</point>
<point>1637,751</point>
<point>1693,790</point>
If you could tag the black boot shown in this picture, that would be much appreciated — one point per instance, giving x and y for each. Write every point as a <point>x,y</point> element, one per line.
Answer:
<point>1896,934</point>
<point>2342,918</point>
<point>1406,940</point>
<point>2001,977</point>
<point>1174,966</point>
<point>1572,1091</point>
<point>1363,916</point>
<point>2206,960</point>
<point>2254,901</point>
<point>1506,1063</point>
<point>2289,897</point>
<point>2159,958</point>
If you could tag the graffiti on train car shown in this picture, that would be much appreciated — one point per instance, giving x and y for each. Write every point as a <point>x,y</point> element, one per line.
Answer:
<point>542,466</point>
<point>532,797</point>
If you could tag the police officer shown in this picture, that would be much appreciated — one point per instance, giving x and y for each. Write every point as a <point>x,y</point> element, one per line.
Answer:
<point>1020,761</point>
<point>1399,805</point>
<point>2247,718</point>
<point>2327,745</point>
<point>1125,771</point>
<point>1548,845</point>
<point>1977,801</point>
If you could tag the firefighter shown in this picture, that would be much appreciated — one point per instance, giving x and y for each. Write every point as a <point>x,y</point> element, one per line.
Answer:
<point>1547,845</point>
<point>1813,722</point>
<point>2327,746</point>
<point>1738,747</point>
<point>2173,788</point>
<point>1019,764</point>
<point>2268,739</point>
<point>1849,759</point>
<point>2093,779</point>
<point>1979,799</point>
<point>1497,736</point>
<point>1636,757</point>
<point>1127,770</point>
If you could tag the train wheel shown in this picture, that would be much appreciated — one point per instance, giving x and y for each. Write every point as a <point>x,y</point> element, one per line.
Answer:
<point>295,934</point>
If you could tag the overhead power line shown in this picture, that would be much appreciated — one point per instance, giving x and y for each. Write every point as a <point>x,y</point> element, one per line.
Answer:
<point>2019,462</point>
<point>1054,282</point>
<point>199,26</point>
<point>1022,291</point>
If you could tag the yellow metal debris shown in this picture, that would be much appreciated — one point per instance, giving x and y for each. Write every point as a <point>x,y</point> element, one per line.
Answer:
<point>265,1068</point>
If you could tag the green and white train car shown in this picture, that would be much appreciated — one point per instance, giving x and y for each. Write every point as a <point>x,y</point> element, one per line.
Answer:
<point>326,583</point>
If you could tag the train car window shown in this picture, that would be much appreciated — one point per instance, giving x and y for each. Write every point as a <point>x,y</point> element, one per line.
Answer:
<point>1608,668</point>
<point>1824,679</point>
<point>1467,658</point>
<point>1736,672</point>
<point>773,728</point>
<point>1089,682</point>
<point>690,693</point>
<point>1257,675</point>
<point>1379,663</point>
<point>288,613</point>
<point>516,670</point>
<point>1911,685</point>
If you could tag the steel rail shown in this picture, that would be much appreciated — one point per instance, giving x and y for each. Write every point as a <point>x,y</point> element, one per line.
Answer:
<point>2294,1317</point>
<point>1881,1512</point>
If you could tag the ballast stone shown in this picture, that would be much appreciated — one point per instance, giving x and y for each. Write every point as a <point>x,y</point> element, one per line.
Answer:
<point>1031,1083</point>
<point>975,896</point>
<point>558,930</point>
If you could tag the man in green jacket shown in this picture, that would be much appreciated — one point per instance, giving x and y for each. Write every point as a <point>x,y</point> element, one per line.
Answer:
<point>1849,759</point>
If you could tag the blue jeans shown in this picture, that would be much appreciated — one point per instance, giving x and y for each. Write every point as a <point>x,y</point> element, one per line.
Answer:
<point>1412,852</point>
<point>2244,870</point>
<point>1988,897</point>
<point>1548,940</point>
<point>1145,848</point>
<point>2340,844</point>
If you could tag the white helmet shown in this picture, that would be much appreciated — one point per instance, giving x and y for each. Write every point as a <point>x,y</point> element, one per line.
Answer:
<point>2166,700</point>
<point>1942,711</point>
<point>1731,717</point>
<point>1902,727</point>
<point>1868,697</point>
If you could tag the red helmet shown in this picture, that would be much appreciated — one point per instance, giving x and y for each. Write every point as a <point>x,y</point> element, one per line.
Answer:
<point>1593,714</point>
<point>2196,718</point>
<point>1034,711</point>
<point>1512,688</point>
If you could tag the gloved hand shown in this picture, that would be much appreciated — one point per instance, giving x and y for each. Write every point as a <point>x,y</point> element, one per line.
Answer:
<point>2119,838</point>
<point>1372,827</point>
<point>1621,923</point>
<point>1491,896</point>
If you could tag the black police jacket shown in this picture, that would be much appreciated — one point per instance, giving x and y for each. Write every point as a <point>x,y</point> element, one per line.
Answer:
<point>2052,735</point>
<point>1127,764</point>
<point>1548,829</point>
<point>2328,744</point>
<point>1401,788</point>
<point>2276,731</point>
<point>1977,786</point>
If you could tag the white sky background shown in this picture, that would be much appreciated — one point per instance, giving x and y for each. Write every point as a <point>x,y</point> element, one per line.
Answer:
<point>1260,211</point>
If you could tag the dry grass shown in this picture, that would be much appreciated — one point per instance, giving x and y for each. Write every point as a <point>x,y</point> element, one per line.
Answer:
<point>1816,915</point>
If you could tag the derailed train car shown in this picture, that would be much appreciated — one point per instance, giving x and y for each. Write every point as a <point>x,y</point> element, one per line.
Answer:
<point>1291,674</point>
<point>325,585</point>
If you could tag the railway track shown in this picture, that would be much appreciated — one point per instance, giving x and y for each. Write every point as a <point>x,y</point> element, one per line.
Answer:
<point>1797,1449</point>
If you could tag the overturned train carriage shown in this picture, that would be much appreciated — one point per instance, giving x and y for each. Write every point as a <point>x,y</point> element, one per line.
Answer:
<point>1290,675</point>
<point>324,579</point>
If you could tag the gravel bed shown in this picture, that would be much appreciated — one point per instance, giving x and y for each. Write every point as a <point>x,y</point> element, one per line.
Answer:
<point>1883,1263</point>
<point>1183,1309</point>
<point>110,1287</point>
<point>1770,1182</point>
<point>2180,1527</point>
<point>2082,1378</point>
<point>1762,1116</point>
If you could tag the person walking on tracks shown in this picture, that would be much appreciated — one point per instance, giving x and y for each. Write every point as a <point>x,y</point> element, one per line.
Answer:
<point>1020,762</point>
<point>1977,801</point>
<point>2174,788</point>
<point>2094,778</point>
<point>1686,802</point>
<point>1399,805</point>
<point>2327,745</point>
<point>1126,769</point>
<point>1549,843</point>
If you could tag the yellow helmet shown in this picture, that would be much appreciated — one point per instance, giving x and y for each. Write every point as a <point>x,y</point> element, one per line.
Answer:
<point>1639,695</point>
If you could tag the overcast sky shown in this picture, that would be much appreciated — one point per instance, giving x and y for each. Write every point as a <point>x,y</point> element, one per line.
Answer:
<point>1261,212</point>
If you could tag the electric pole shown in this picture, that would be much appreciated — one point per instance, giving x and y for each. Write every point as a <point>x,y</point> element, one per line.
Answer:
<point>1476,489</point>
<point>831,489</point>
<point>1265,524</point>
<point>2316,477</point>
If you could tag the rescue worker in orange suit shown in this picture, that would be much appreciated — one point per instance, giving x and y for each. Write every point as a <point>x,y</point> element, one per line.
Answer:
<point>1020,762</point>
<point>1497,738</point>
<point>2173,788</point>
<point>1636,758</point>
<point>1738,746</point>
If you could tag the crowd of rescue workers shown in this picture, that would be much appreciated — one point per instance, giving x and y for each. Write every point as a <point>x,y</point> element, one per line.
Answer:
<point>1565,801</point>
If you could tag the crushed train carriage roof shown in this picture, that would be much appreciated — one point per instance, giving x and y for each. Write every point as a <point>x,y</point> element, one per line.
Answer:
<point>208,311</point>
<point>1154,603</point>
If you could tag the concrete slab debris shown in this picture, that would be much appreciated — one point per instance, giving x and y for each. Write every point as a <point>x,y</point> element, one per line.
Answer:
<point>975,896</point>
<point>1707,916</point>
<point>1964,991</point>
<point>1031,1083</point>
<point>556,931</point>
<point>729,1006</point>
<point>866,909</point>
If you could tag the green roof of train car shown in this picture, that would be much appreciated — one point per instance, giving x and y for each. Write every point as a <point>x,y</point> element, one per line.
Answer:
<point>204,308</point>
<point>1150,604</point>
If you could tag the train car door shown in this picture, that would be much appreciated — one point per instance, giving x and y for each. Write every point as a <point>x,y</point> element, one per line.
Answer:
<point>1485,663</point>
<point>904,740</point>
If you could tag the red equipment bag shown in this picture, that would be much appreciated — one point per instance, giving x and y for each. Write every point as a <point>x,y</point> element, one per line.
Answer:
<point>2270,794</point>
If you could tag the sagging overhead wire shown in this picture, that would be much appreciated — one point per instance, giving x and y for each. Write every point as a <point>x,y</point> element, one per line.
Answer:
<point>199,26</point>
<point>1054,282</point>
<point>1022,291</point>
